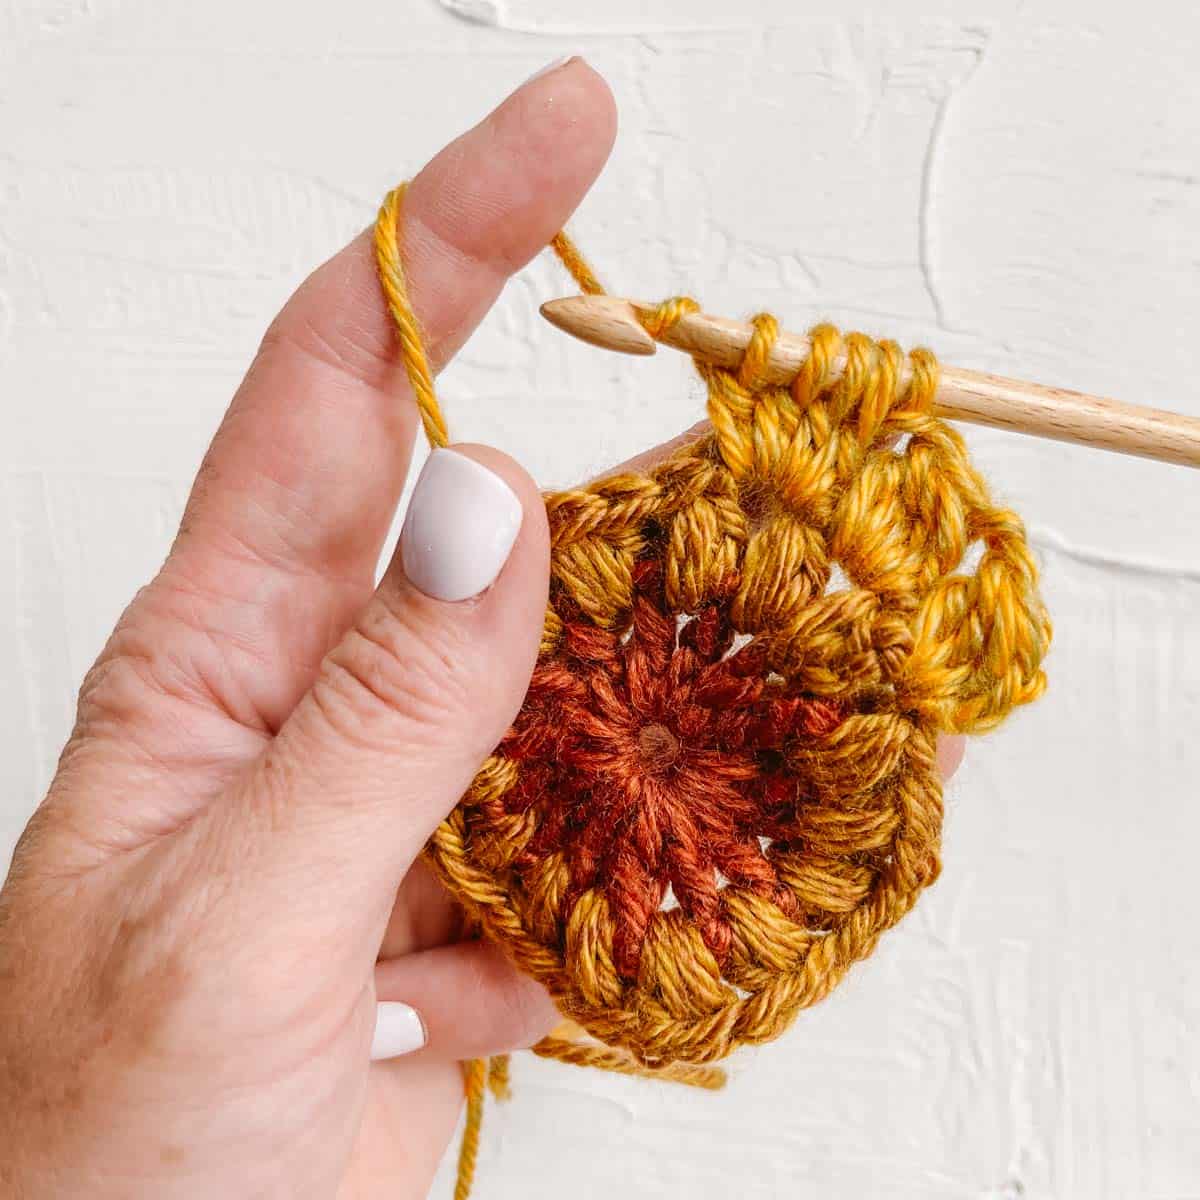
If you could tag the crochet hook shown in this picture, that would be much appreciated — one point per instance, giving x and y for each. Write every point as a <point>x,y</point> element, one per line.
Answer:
<point>614,323</point>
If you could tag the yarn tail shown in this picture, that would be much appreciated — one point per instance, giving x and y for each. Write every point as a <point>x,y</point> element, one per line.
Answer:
<point>577,266</point>
<point>479,1076</point>
<point>593,1054</point>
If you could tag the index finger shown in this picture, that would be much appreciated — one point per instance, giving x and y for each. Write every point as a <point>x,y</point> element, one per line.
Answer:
<point>285,524</point>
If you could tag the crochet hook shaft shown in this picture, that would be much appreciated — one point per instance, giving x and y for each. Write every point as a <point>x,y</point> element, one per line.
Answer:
<point>613,323</point>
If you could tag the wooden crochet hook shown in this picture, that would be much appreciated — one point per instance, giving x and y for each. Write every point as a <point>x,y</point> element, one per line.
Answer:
<point>612,323</point>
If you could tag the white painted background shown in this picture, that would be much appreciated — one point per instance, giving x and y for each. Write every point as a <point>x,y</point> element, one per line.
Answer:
<point>1016,184</point>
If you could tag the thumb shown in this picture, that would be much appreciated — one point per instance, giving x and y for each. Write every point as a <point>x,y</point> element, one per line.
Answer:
<point>410,702</point>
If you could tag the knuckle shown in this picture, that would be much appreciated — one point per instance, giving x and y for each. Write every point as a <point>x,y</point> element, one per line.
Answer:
<point>126,698</point>
<point>116,690</point>
<point>345,346</point>
<point>391,678</point>
<point>139,669</point>
<point>117,705</point>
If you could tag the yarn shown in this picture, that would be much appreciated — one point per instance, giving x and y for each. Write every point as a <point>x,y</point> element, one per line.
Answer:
<point>721,788</point>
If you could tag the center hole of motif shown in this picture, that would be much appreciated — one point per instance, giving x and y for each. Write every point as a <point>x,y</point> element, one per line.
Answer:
<point>658,745</point>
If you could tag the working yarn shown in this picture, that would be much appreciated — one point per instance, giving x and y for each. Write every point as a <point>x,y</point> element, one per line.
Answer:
<point>721,788</point>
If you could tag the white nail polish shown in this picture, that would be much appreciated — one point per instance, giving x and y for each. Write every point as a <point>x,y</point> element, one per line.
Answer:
<point>558,62</point>
<point>460,527</point>
<point>398,1030</point>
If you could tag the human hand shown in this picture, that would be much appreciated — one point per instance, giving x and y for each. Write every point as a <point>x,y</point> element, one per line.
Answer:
<point>220,885</point>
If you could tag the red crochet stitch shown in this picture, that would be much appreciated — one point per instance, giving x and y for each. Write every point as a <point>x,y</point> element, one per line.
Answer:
<point>655,759</point>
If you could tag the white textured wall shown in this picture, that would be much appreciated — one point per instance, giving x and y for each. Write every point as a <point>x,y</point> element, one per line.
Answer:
<point>1016,184</point>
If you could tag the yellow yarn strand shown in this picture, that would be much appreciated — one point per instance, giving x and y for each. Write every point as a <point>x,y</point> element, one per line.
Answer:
<point>497,1078</point>
<point>475,1072</point>
<point>578,267</point>
<point>587,1054</point>
<point>408,331</point>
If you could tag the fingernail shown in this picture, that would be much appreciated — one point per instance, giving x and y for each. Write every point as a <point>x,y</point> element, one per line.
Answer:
<point>398,1030</point>
<point>460,527</point>
<point>558,62</point>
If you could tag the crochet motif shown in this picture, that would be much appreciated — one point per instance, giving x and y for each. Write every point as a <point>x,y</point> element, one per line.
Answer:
<point>721,788</point>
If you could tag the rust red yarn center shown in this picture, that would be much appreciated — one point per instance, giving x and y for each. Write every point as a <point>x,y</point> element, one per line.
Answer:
<point>659,747</point>
<point>657,757</point>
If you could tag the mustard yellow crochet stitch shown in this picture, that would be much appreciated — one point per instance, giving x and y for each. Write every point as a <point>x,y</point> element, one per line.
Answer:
<point>722,789</point>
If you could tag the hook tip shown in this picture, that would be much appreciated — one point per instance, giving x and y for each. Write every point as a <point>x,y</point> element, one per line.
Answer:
<point>605,321</point>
